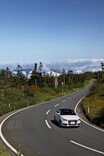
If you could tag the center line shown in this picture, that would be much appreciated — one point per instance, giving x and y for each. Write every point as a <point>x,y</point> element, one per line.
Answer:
<point>56,105</point>
<point>63,100</point>
<point>47,112</point>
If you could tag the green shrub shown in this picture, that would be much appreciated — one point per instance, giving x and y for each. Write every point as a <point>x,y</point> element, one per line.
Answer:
<point>3,152</point>
<point>94,101</point>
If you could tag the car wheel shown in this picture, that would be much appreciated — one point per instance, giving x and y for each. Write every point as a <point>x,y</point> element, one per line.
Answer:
<point>54,119</point>
<point>60,124</point>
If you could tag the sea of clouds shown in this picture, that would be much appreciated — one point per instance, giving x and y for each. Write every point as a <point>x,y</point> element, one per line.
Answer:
<point>77,66</point>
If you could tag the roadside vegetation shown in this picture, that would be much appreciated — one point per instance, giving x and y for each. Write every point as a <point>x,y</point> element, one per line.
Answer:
<point>93,104</point>
<point>17,91</point>
<point>3,152</point>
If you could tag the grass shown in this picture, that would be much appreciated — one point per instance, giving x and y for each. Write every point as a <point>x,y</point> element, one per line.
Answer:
<point>93,104</point>
<point>3,152</point>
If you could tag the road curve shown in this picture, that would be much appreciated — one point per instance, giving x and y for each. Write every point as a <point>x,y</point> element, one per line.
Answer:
<point>34,132</point>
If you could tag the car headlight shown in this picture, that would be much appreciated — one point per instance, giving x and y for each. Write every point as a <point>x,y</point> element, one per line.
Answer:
<point>78,121</point>
<point>64,119</point>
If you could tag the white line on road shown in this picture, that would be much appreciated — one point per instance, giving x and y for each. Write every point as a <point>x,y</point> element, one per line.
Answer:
<point>48,112</point>
<point>64,101</point>
<point>47,124</point>
<point>56,105</point>
<point>86,147</point>
<point>3,138</point>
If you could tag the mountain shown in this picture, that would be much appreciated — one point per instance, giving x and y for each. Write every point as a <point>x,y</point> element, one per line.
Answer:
<point>77,66</point>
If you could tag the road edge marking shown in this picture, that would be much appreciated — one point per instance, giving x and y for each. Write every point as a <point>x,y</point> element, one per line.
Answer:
<point>97,151</point>
<point>48,124</point>
<point>2,136</point>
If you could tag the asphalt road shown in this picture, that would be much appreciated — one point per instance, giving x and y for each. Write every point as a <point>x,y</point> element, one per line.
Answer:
<point>35,134</point>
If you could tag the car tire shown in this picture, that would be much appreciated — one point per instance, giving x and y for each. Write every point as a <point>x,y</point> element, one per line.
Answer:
<point>60,124</point>
<point>54,119</point>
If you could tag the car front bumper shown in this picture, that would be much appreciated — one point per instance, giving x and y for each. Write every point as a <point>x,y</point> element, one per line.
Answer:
<point>71,123</point>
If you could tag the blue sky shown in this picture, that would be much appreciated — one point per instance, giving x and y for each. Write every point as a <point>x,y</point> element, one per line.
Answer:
<point>50,30</point>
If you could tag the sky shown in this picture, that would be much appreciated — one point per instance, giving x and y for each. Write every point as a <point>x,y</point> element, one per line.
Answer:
<point>50,30</point>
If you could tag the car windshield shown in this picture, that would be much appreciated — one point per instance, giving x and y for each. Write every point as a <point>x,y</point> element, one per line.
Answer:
<point>67,112</point>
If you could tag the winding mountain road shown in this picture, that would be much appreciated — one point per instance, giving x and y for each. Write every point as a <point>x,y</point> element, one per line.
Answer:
<point>33,131</point>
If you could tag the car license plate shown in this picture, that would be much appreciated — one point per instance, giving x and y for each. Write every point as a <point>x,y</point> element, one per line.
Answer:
<point>72,123</point>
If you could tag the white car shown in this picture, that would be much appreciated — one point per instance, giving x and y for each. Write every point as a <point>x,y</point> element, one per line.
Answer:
<point>67,117</point>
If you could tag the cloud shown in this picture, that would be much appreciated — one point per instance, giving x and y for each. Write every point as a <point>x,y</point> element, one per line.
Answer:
<point>77,66</point>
